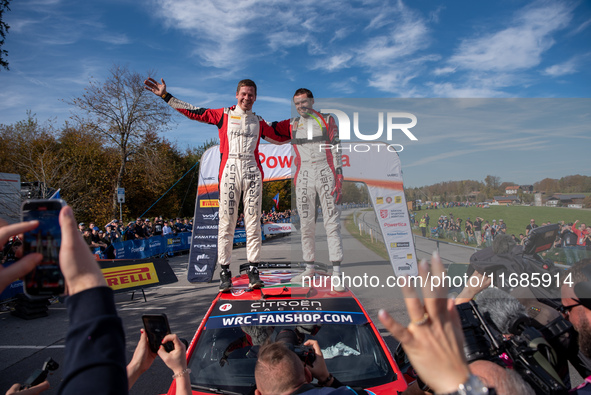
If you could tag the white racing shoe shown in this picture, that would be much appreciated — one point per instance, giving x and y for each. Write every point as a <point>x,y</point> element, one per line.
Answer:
<point>338,283</point>
<point>308,273</point>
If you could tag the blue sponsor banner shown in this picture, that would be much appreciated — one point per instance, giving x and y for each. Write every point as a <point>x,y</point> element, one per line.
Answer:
<point>154,246</point>
<point>240,236</point>
<point>12,290</point>
<point>301,317</point>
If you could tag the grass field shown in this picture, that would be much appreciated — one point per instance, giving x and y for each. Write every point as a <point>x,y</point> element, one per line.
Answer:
<point>516,217</point>
<point>376,246</point>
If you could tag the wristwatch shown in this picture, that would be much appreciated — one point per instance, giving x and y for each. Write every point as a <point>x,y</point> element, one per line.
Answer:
<point>472,386</point>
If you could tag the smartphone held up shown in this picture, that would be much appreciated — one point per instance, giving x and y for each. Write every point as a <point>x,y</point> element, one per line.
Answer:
<point>46,279</point>
<point>156,326</point>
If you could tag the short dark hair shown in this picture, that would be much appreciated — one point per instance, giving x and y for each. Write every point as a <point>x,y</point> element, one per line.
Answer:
<point>304,91</point>
<point>247,82</point>
<point>272,359</point>
<point>576,271</point>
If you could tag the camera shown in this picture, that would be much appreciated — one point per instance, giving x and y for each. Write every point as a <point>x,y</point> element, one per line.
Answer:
<point>39,375</point>
<point>499,328</point>
<point>294,342</point>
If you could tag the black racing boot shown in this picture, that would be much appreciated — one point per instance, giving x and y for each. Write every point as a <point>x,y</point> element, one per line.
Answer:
<point>254,281</point>
<point>225,280</point>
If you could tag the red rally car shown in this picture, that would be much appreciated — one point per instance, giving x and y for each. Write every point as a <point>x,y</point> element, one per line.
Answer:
<point>223,352</point>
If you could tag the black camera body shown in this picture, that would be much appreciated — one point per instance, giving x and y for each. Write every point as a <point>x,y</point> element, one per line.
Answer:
<point>39,375</point>
<point>533,357</point>
<point>293,342</point>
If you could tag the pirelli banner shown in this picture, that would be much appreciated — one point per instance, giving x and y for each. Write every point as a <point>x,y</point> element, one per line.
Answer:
<point>379,169</point>
<point>124,275</point>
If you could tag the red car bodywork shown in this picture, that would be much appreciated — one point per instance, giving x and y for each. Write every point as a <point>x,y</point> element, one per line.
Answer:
<point>278,288</point>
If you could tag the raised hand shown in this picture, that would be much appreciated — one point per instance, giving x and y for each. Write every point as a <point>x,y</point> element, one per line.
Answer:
<point>153,86</point>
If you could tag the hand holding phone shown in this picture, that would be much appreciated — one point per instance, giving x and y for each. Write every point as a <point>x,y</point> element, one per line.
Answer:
<point>156,326</point>
<point>18,269</point>
<point>46,279</point>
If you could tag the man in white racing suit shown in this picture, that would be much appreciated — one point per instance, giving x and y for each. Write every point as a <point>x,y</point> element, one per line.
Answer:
<point>240,173</point>
<point>314,138</point>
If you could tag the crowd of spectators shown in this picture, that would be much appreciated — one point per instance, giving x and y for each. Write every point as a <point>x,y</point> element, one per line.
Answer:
<point>574,239</point>
<point>115,231</point>
<point>433,341</point>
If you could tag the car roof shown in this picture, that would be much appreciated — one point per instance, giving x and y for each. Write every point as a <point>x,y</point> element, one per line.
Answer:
<point>278,285</point>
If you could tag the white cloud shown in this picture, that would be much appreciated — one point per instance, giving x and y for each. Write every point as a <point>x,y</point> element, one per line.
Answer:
<point>347,86</point>
<point>519,46</point>
<point>444,70</point>
<point>116,39</point>
<point>582,27</point>
<point>565,68</point>
<point>334,62</point>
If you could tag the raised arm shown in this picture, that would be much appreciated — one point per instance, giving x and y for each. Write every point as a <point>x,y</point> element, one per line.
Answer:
<point>205,115</point>
<point>153,86</point>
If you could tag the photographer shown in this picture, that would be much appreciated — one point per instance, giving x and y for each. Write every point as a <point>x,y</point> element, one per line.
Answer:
<point>279,371</point>
<point>89,365</point>
<point>576,305</point>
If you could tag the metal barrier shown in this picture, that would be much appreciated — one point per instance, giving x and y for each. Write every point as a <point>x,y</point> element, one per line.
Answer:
<point>449,252</point>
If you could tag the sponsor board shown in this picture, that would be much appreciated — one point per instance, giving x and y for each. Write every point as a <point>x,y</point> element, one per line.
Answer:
<point>173,241</point>
<point>205,246</point>
<point>209,203</point>
<point>395,224</point>
<point>130,276</point>
<point>406,267</point>
<point>272,228</point>
<point>210,217</point>
<point>200,269</point>
<point>205,237</point>
<point>404,244</point>
<point>208,227</point>
<point>401,233</point>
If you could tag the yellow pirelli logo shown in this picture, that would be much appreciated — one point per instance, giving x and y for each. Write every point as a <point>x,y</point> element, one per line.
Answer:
<point>130,276</point>
<point>234,117</point>
<point>408,256</point>
<point>209,203</point>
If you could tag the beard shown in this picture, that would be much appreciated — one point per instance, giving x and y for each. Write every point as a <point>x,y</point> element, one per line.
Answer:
<point>585,336</point>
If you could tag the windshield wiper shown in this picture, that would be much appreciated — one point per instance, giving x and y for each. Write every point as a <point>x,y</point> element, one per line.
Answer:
<point>214,390</point>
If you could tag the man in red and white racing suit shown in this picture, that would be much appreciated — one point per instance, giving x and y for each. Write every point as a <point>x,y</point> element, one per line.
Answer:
<point>240,173</point>
<point>318,171</point>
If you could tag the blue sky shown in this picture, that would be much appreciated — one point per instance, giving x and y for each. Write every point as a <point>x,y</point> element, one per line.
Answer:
<point>361,49</point>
